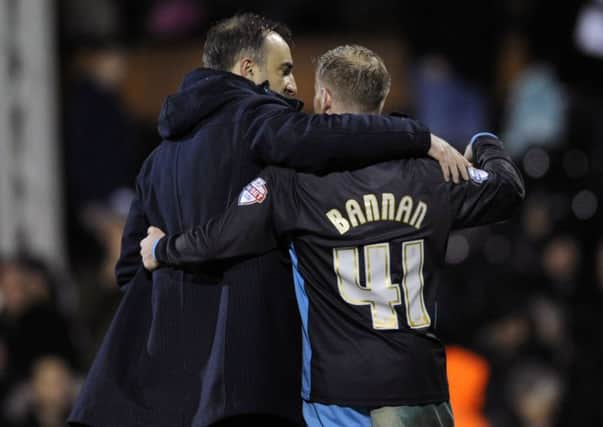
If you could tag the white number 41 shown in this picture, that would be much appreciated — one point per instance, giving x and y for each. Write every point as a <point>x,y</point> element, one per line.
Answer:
<point>380,293</point>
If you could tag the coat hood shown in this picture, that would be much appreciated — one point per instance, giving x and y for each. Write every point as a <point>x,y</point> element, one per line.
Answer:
<point>202,93</point>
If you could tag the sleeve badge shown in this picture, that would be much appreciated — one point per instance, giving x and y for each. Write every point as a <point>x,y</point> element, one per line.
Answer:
<point>477,175</point>
<point>254,192</point>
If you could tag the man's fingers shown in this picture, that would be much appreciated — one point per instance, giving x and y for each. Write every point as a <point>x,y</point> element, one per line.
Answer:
<point>455,173</point>
<point>445,170</point>
<point>148,262</point>
<point>463,169</point>
<point>146,251</point>
<point>154,230</point>
<point>451,161</point>
<point>458,165</point>
<point>464,165</point>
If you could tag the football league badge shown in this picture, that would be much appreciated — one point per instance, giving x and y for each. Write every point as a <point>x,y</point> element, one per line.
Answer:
<point>255,192</point>
<point>477,175</point>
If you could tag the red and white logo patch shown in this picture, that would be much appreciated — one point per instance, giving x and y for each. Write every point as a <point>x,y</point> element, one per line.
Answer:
<point>255,192</point>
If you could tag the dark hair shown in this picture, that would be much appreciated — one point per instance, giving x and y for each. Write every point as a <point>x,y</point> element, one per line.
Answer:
<point>239,35</point>
<point>357,76</point>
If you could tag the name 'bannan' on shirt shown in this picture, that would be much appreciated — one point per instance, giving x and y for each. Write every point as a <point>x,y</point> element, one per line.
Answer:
<point>406,211</point>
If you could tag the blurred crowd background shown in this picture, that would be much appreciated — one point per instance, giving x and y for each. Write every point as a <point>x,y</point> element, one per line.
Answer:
<point>81,84</point>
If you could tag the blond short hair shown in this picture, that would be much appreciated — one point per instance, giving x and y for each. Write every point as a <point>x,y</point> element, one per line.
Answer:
<point>356,75</point>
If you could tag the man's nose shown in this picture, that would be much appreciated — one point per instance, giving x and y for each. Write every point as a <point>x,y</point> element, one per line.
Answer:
<point>291,87</point>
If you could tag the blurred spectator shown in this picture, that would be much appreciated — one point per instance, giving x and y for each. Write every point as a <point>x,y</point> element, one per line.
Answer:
<point>561,259</point>
<point>46,398</point>
<point>550,334</point>
<point>536,224</point>
<point>504,341</point>
<point>99,133</point>
<point>535,391</point>
<point>106,220</point>
<point>451,107</point>
<point>30,322</point>
<point>505,338</point>
<point>98,291</point>
<point>537,220</point>
<point>536,103</point>
<point>100,142</point>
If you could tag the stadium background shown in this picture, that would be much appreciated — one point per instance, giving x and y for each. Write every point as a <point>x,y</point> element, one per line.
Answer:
<point>81,84</point>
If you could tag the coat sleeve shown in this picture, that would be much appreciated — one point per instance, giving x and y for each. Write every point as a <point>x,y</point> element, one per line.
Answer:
<point>321,143</point>
<point>495,189</point>
<point>251,226</point>
<point>134,231</point>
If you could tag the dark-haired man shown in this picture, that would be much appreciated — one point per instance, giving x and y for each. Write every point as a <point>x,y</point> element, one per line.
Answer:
<point>236,45</point>
<point>367,249</point>
<point>181,350</point>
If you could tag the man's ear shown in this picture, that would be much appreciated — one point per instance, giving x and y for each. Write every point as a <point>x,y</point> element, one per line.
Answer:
<point>326,101</point>
<point>246,68</point>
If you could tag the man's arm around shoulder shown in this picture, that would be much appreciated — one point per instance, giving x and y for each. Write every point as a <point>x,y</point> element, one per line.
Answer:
<point>495,188</point>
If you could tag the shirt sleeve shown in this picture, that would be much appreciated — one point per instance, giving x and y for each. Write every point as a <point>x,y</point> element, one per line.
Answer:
<point>253,225</point>
<point>321,143</point>
<point>495,188</point>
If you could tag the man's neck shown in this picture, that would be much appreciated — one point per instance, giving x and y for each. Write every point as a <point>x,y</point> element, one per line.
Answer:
<point>351,109</point>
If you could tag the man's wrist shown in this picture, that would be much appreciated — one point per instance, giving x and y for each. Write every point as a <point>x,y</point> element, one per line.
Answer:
<point>427,143</point>
<point>482,134</point>
<point>154,250</point>
<point>481,142</point>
